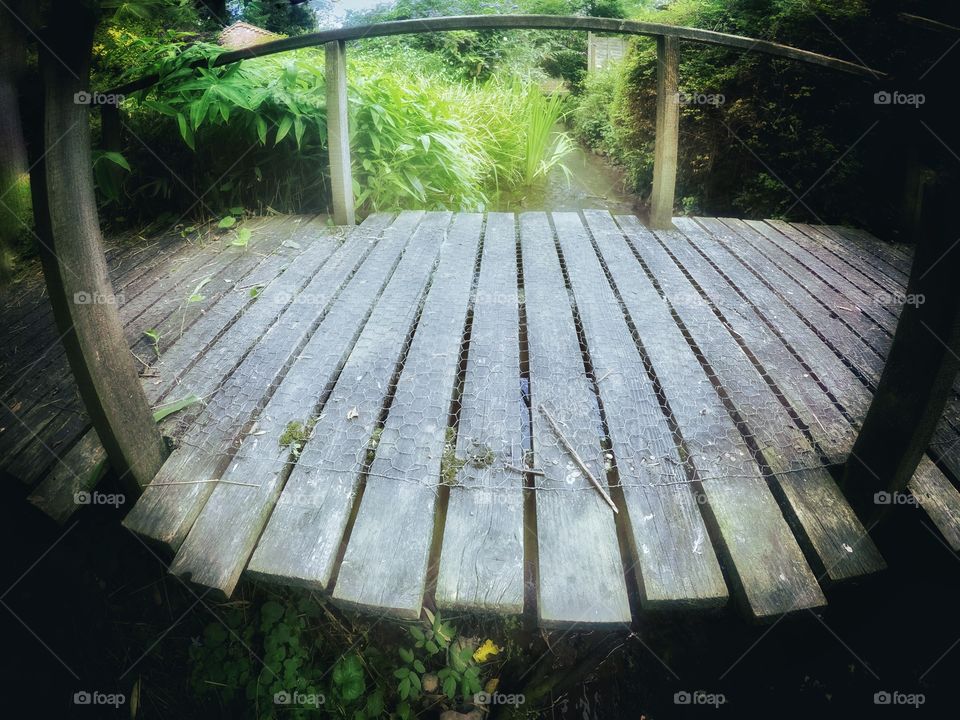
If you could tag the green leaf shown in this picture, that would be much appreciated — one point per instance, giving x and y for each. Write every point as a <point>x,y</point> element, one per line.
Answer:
<point>162,411</point>
<point>419,667</point>
<point>227,221</point>
<point>417,633</point>
<point>270,613</point>
<point>432,647</point>
<point>406,654</point>
<point>160,107</point>
<point>117,159</point>
<point>262,130</point>
<point>450,687</point>
<point>285,124</point>
<point>404,688</point>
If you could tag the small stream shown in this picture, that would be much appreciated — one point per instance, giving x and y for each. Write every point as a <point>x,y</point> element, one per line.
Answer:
<point>594,183</point>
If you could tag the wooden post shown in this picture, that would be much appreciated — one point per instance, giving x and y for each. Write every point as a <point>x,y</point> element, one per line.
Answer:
<point>668,133</point>
<point>338,133</point>
<point>74,267</point>
<point>920,368</point>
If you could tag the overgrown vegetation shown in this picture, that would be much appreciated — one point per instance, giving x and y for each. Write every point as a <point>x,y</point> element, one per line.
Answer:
<point>772,137</point>
<point>285,658</point>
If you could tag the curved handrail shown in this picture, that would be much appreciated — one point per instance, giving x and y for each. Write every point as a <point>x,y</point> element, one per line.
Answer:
<point>521,22</point>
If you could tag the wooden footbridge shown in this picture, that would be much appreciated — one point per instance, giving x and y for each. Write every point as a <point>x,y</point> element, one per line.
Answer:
<point>488,411</point>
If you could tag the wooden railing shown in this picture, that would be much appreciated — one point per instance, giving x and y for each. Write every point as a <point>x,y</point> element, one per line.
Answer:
<point>668,39</point>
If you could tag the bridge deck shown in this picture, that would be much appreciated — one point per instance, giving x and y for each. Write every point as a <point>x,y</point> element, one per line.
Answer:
<point>495,410</point>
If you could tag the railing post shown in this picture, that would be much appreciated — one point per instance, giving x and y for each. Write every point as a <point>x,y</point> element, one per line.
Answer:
<point>338,133</point>
<point>668,133</point>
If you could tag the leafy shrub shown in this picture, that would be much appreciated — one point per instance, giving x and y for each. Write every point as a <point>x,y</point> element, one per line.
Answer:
<point>255,132</point>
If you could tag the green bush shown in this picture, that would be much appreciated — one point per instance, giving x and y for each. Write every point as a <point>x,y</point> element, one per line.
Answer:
<point>254,133</point>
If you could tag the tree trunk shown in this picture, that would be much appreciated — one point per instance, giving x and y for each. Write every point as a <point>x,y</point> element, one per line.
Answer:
<point>65,212</point>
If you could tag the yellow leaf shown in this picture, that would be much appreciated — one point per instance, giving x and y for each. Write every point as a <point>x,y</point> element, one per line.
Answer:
<point>491,687</point>
<point>484,652</point>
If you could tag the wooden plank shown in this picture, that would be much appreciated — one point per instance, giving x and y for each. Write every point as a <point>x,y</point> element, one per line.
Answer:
<point>38,435</point>
<point>842,383</point>
<point>580,573</point>
<point>825,286</point>
<point>481,558</point>
<point>75,473</point>
<point>226,531</point>
<point>765,561</point>
<point>79,462</point>
<point>166,513</point>
<point>815,408</point>
<point>939,499</point>
<point>385,565</point>
<point>846,344</point>
<point>814,502</point>
<point>338,132</point>
<point>676,561</point>
<point>890,264</point>
<point>667,135</point>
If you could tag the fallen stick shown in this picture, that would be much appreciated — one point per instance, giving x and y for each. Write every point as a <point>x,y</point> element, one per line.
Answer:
<point>577,459</point>
<point>532,471</point>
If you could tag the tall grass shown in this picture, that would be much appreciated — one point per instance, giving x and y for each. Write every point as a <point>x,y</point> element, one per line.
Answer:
<point>419,137</point>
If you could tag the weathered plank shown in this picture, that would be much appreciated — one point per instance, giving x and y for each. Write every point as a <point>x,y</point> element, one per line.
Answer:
<point>815,408</point>
<point>848,345</point>
<point>226,531</point>
<point>304,533</point>
<point>385,565</point>
<point>481,556</point>
<point>890,264</point>
<point>76,465</point>
<point>75,473</point>
<point>580,575</point>
<point>675,559</point>
<point>765,560</point>
<point>820,513</point>
<point>166,512</point>
<point>169,313</point>
<point>842,384</point>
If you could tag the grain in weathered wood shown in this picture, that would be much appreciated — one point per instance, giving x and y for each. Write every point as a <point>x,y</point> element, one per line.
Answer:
<point>822,515</point>
<point>385,565</point>
<point>764,558</point>
<point>481,556</point>
<point>580,574</point>
<point>226,531</point>
<point>286,298</point>
<point>815,408</point>
<point>822,282</point>
<point>40,438</point>
<point>60,494</point>
<point>939,499</point>
<point>846,344</point>
<point>846,387</point>
<point>80,460</point>
<point>900,255</point>
<point>874,260</point>
<point>167,513</point>
<point>855,282</point>
<point>789,311</point>
<point>676,562</point>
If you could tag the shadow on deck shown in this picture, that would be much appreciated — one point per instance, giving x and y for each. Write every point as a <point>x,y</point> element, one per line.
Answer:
<point>387,412</point>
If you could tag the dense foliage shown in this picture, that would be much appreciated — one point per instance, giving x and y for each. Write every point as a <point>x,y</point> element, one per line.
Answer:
<point>763,136</point>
